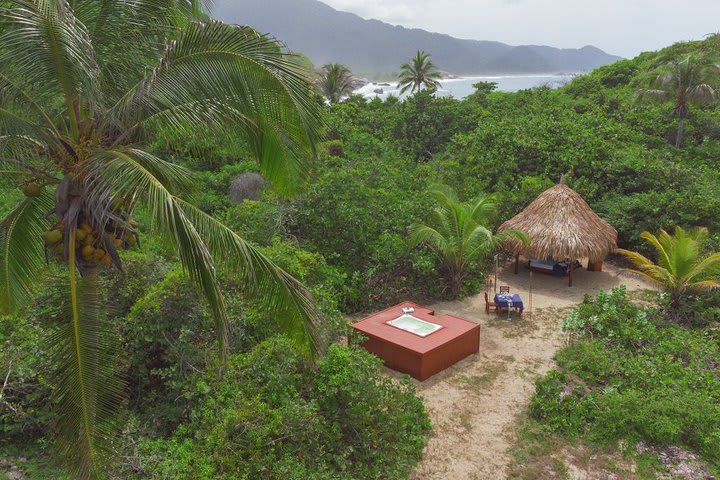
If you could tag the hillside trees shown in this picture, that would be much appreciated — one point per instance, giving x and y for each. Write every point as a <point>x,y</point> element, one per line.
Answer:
<point>686,83</point>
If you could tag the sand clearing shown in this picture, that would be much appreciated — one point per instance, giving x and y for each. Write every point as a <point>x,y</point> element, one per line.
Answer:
<point>474,404</point>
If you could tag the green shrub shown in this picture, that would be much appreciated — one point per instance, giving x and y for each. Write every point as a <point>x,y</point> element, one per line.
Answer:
<point>273,415</point>
<point>25,392</point>
<point>254,220</point>
<point>630,375</point>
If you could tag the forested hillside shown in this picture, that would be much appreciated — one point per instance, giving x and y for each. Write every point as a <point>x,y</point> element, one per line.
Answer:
<point>375,48</point>
<point>274,413</point>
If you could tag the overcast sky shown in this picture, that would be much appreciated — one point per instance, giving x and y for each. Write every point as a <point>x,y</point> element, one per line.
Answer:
<point>620,27</point>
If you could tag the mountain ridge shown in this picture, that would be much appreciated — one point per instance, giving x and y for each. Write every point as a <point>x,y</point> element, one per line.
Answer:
<point>371,46</point>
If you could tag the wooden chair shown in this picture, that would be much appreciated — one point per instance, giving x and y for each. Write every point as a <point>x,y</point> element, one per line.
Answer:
<point>504,289</point>
<point>489,306</point>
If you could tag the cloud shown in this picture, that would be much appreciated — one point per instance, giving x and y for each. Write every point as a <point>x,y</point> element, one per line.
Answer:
<point>391,12</point>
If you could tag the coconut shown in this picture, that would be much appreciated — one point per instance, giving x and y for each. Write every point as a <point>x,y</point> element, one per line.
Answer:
<point>31,189</point>
<point>87,252</point>
<point>52,237</point>
<point>80,235</point>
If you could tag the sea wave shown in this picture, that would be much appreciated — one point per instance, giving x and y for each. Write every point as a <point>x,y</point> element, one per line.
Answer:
<point>462,87</point>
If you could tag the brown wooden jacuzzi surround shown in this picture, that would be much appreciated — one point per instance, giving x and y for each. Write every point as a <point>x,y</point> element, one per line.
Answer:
<point>420,357</point>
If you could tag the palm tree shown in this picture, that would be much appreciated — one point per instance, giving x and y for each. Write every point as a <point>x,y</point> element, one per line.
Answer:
<point>685,84</point>
<point>82,83</point>
<point>682,265</point>
<point>335,82</point>
<point>457,235</point>
<point>421,71</point>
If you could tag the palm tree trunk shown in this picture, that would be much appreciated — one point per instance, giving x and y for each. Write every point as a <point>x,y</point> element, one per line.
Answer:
<point>456,279</point>
<point>680,132</point>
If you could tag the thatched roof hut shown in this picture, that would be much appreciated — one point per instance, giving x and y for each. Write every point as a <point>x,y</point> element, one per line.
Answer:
<point>561,225</point>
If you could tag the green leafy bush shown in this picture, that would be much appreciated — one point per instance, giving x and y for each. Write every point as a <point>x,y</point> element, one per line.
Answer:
<point>630,375</point>
<point>273,415</point>
<point>25,392</point>
<point>254,220</point>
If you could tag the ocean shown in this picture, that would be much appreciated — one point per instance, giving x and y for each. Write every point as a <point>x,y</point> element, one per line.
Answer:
<point>462,87</point>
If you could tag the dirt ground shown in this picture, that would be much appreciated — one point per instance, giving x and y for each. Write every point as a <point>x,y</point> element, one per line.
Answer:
<point>474,404</point>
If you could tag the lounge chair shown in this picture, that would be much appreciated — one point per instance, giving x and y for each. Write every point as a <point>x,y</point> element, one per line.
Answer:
<point>552,267</point>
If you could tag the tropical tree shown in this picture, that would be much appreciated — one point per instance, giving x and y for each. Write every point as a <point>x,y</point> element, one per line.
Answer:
<point>457,233</point>
<point>685,83</point>
<point>82,83</point>
<point>682,265</point>
<point>335,82</point>
<point>420,71</point>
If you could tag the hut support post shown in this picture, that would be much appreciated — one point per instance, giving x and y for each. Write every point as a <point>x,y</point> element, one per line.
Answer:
<point>496,272</point>
<point>517,264</point>
<point>572,264</point>
<point>530,294</point>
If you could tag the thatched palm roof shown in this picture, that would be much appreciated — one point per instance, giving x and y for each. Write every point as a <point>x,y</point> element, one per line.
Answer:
<point>561,225</point>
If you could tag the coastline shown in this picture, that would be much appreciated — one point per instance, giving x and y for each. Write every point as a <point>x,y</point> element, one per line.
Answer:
<point>461,86</point>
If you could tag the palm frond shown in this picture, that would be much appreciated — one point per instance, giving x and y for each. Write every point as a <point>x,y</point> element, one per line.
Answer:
<point>707,267</point>
<point>202,242</point>
<point>128,35</point>
<point>636,258</point>
<point>483,208</point>
<point>30,169</point>
<point>444,194</point>
<point>122,173</point>
<point>47,45</point>
<point>420,234</point>
<point>456,233</point>
<point>487,242</point>
<point>177,179</point>
<point>657,242</point>
<point>703,286</point>
<point>19,95</point>
<point>662,95</point>
<point>478,240</point>
<point>12,122</point>
<point>21,250</point>
<point>242,75</point>
<point>680,265</point>
<point>89,391</point>
<point>283,296</point>
<point>647,277</point>
<point>702,94</point>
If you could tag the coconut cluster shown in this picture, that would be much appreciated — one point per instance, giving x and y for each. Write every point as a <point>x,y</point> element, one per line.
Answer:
<point>91,246</point>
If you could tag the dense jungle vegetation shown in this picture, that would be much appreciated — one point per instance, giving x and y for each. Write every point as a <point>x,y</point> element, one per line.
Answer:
<point>275,414</point>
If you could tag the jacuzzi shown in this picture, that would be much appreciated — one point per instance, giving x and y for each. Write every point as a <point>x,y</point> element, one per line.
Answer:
<point>414,325</point>
<point>411,339</point>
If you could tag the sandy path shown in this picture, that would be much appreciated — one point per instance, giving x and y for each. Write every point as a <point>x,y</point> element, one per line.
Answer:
<point>474,404</point>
